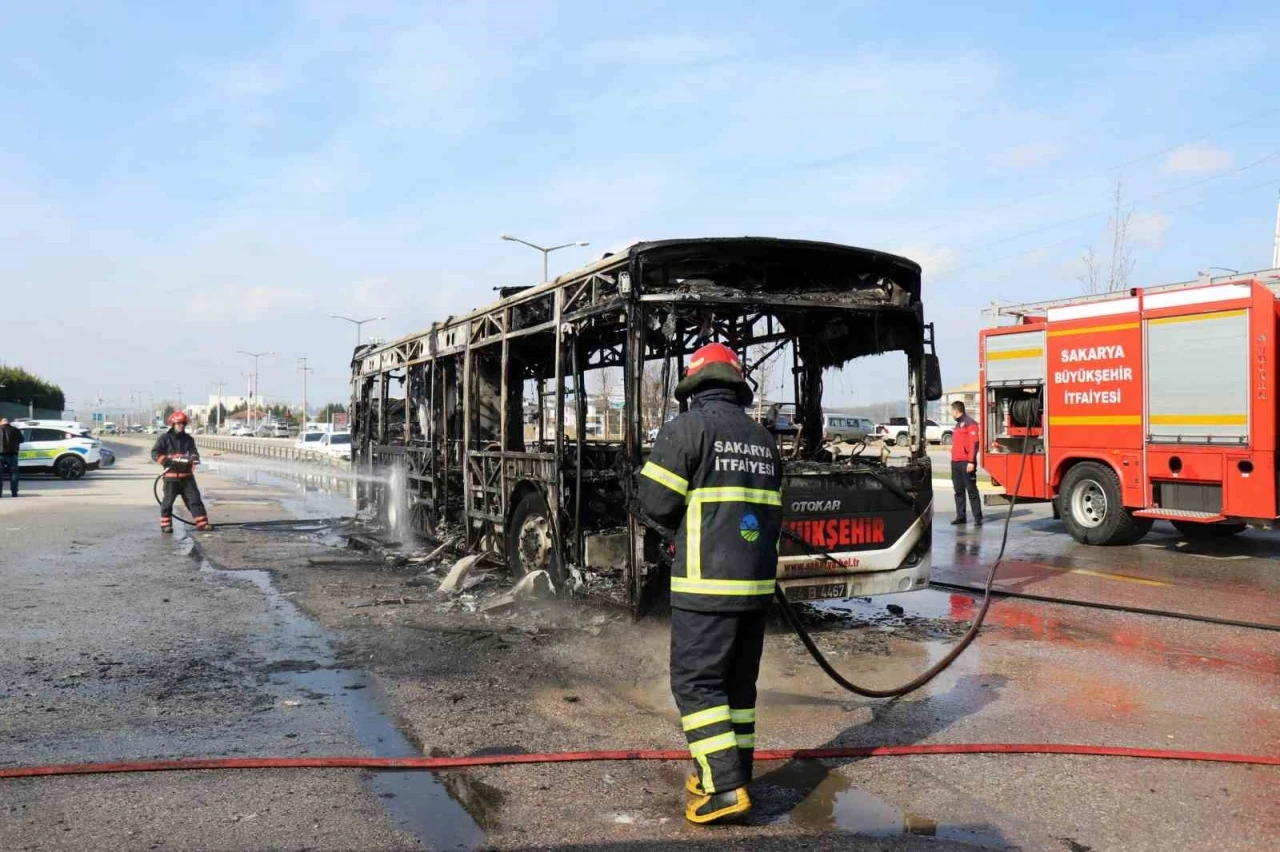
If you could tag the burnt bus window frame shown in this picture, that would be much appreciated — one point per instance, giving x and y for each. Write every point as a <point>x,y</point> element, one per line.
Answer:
<point>656,302</point>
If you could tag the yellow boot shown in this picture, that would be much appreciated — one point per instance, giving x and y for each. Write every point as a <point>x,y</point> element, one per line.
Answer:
<point>718,807</point>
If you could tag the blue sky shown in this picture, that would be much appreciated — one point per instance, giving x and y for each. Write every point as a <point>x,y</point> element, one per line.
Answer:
<point>178,183</point>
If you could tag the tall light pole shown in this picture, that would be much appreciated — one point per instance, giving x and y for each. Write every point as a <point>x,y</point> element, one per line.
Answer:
<point>304,369</point>
<point>218,411</point>
<point>546,250</point>
<point>357,323</point>
<point>256,390</point>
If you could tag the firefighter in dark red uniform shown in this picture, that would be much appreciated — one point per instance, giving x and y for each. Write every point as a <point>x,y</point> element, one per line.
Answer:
<point>715,476</point>
<point>965,443</point>
<point>176,450</point>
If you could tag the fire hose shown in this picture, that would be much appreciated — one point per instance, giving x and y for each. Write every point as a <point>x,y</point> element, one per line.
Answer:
<point>436,764</point>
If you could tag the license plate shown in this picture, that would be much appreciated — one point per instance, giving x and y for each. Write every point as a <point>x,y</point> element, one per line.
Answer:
<point>826,591</point>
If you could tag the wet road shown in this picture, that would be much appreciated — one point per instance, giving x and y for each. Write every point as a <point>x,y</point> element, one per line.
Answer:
<point>119,644</point>
<point>215,669</point>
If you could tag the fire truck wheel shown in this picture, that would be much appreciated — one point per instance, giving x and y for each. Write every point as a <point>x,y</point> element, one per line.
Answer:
<point>530,541</point>
<point>1203,532</point>
<point>1093,510</point>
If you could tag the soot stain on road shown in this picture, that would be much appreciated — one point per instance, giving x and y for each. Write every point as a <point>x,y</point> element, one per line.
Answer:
<point>301,655</point>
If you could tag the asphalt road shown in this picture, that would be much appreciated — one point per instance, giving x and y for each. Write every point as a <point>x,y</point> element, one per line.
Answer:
<point>125,644</point>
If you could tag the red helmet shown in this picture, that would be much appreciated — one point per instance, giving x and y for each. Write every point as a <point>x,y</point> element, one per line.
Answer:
<point>714,353</point>
<point>714,363</point>
<point>178,417</point>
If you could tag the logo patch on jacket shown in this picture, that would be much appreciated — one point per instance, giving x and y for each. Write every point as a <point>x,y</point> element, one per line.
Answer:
<point>749,529</point>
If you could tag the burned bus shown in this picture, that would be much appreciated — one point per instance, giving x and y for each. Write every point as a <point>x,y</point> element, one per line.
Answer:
<point>483,428</point>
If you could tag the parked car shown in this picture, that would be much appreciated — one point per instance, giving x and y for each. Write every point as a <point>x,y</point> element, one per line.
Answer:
<point>241,432</point>
<point>61,447</point>
<point>846,427</point>
<point>336,444</point>
<point>309,440</point>
<point>897,432</point>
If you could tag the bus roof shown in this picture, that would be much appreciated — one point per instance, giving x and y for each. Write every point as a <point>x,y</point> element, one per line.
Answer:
<point>759,253</point>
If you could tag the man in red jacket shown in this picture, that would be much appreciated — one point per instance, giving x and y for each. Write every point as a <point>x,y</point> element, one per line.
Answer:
<point>965,441</point>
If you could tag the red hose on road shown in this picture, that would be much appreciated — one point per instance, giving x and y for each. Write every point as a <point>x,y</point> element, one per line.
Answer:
<point>442,763</point>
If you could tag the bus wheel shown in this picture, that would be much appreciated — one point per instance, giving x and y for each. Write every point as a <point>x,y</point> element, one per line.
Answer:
<point>531,541</point>
<point>1092,508</point>
<point>1206,532</point>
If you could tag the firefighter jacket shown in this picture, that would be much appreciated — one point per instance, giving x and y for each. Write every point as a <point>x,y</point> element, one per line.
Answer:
<point>965,440</point>
<point>715,476</point>
<point>173,443</point>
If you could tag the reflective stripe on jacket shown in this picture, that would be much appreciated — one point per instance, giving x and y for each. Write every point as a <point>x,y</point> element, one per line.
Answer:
<point>715,476</point>
<point>172,443</point>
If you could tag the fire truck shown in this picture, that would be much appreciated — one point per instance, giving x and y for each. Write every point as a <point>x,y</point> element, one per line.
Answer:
<point>1125,408</point>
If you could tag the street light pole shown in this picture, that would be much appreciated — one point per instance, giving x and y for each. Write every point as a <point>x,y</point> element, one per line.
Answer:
<point>257,391</point>
<point>546,250</point>
<point>219,411</point>
<point>304,369</point>
<point>357,323</point>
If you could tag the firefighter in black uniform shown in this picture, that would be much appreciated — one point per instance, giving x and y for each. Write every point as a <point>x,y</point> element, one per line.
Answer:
<point>715,476</point>
<point>176,450</point>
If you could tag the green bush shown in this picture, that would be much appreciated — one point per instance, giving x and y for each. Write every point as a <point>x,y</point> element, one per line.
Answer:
<point>17,385</point>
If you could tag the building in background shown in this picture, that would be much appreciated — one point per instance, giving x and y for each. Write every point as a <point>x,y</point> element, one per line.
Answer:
<point>968,394</point>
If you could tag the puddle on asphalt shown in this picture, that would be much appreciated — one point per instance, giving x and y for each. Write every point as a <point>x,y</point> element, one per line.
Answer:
<point>300,655</point>
<point>829,801</point>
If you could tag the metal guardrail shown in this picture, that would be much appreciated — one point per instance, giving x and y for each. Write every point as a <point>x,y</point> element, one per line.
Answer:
<point>271,448</point>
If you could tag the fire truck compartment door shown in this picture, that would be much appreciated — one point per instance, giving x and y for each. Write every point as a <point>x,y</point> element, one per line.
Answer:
<point>1198,378</point>
<point>1015,358</point>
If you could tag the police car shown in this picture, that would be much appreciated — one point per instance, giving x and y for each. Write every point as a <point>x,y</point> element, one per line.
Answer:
<point>61,447</point>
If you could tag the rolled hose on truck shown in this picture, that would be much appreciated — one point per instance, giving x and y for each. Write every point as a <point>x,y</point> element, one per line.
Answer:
<point>447,763</point>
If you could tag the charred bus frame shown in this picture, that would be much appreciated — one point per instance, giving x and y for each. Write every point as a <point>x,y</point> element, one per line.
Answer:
<point>441,418</point>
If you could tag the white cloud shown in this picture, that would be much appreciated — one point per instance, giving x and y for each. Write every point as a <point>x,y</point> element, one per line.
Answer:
<point>659,50</point>
<point>934,260</point>
<point>1025,156</point>
<point>1196,158</point>
<point>247,304</point>
<point>1148,229</point>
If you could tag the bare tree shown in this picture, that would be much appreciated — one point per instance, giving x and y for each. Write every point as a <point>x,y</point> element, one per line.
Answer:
<point>763,371</point>
<point>606,382</point>
<point>654,394</point>
<point>1120,268</point>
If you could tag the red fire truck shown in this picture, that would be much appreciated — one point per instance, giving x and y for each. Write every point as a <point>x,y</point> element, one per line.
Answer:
<point>1131,407</point>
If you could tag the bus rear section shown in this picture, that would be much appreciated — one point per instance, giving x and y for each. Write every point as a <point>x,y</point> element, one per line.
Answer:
<point>854,533</point>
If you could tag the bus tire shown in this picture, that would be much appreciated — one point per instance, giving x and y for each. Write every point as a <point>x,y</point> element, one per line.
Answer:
<point>1208,532</point>
<point>1093,510</point>
<point>531,540</point>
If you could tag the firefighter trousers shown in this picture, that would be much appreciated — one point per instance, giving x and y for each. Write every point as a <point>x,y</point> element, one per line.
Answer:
<point>190,492</point>
<point>715,660</point>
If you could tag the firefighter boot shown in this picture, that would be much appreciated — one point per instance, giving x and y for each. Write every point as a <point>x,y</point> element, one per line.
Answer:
<point>693,783</point>
<point>718,807</point>
<point>203,525</point>
<point>166,524</point>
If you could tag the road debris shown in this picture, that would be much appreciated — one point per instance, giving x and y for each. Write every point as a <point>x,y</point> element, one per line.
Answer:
<point>458,572</point>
